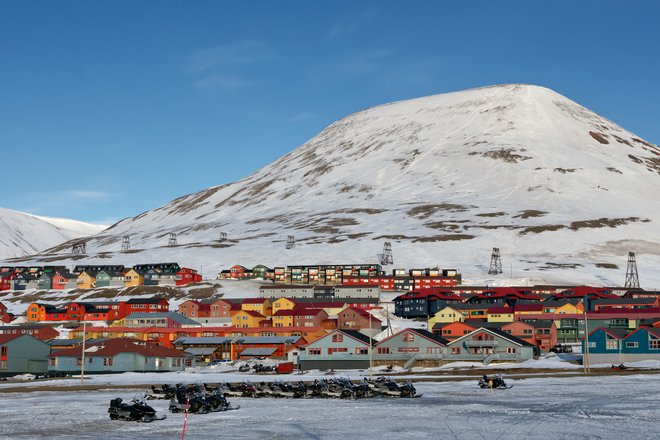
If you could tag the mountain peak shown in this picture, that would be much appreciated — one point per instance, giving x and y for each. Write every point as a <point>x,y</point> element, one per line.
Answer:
<point>443,177</point>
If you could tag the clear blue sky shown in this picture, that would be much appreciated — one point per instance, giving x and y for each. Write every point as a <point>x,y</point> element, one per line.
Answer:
<point>110,108</point>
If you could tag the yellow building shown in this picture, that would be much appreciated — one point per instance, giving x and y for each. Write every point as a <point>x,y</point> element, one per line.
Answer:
<point>283,318</point>
<point>282,304</point>
<point>259,305</point>
<point>86,280</point>
<point>247,318</point>
<point>445,316</point>
<point>500,314</point>
<point>569,309</point>
<point>133,278</point>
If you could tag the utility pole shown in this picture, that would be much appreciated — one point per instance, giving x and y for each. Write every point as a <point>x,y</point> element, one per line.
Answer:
<point>82,365</point>
<point>585,355</point>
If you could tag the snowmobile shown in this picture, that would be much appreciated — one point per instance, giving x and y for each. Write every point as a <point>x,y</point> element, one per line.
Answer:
<point>408,390</point>
<point>164,392</point>
<point>183,402</point>
<point>218,402</point>
<point>386,387</point>
<point>495,382</point>
<point>619,367</point>
<point>136,411</point>
<point>244,368</point>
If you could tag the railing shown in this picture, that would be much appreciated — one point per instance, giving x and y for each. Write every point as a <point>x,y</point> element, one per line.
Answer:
<point>472,343</point>
<point>500,357</point>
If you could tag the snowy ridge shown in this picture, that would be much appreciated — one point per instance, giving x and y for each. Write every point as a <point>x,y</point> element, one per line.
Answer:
<point>24,234</point>
<point>563,192</point>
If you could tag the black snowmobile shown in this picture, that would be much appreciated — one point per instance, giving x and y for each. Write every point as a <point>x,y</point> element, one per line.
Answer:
<point>495,382</point>
<point>136,411</point>
<point>184,402</point>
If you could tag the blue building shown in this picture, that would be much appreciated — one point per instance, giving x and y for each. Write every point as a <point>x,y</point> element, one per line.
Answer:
<point>617,346</point>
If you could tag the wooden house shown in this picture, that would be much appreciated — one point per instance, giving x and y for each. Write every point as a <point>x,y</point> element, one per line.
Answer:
<point>259,305</point>
<point>221,308</point>
<point>185,276</point>
<point>420,343</point>
<point>45,281</point>
<point>118,356</point>
<point>339,349</point>
<point>206,349</point>
<point>157,319</point>
<point>133,277</point>
<point>25,281</point>
<point>282,304</point>
<point>445,315</point>
<point>356,319</point>
<point>5,316</point>
<point>194,309</point>
<point>261,271</point>
<point>452,330</point>
<point>43,332</point>
<point>247,318</point>
<point>500,314</point>
<point>22,353</point>
<point>64,280</point>
<point>487,345</point>
<point>264,346</point>
<point>108,278</point>
<point>87,279</point>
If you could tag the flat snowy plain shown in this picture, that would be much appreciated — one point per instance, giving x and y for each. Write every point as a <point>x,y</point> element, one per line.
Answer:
<point>603,407</point>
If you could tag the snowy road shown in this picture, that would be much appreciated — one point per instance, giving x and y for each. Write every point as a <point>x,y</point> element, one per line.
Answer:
<point>611,407</point>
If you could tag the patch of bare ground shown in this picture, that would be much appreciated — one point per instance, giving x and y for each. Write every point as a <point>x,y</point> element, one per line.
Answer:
<point>319,171</point>
<point>201,293</point>
<point>614,170</point>
<point>282,218</point>
<point>565,170</point>
<point>492,214</point>
<point>541,228</point>
<point>445,237</point>
<point>504,154</point>
<point>621,140</point>
<point>551,265</point>
<point>643,142</point>
<point>357,235</point>
<point>425,211</point>
<point>252,237</point>
<point>194,201</point>
<point>605,223</point>
<point>361,211</point>
<point>606,265</point>
<point>600,137</point>
<point>444,226</point>
<point>530,213</point>
<point>335,240</point>
<point>392,237</point>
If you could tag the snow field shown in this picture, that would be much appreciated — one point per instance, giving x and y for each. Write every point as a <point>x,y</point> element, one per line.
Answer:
<point>606,407</point>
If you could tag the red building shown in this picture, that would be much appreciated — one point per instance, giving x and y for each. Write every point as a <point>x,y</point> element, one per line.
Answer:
<point>186,275</point>
<point>6,279</point>
<point>40,331</point>
<point>5,316</point>
<point>195,309</point>
<point>357,319</point>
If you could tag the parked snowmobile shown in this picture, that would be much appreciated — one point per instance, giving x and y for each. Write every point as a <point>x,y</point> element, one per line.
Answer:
<point>408,390</point>
<point>182,402</point>
<point>136,411</point>
<point>619,367</point>
<point>244,368</point>
<point>218,402</point>
<point>164,392</point>
<point>495,382</point>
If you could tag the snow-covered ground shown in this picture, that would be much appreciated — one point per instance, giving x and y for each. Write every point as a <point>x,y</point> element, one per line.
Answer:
<point>611,407</point>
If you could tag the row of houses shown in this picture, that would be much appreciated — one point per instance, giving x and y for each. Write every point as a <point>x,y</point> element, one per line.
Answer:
<point>94,311</point>
<point>88,276</point>
<point>347,274</point>
<point>427,302</point>
<point>618,346</point>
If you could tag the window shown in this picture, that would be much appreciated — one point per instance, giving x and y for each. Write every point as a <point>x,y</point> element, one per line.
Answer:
<point>337,350</point>
<point>383,350</point>
<point>3,351</point>
<point>632,344</point>
<point>455,350</point>
<point>527,331</point>
<point>337,337</point>
<point>314,351</point>
<point>361,350</point>
<point>408,337</point>
<point>611,344</point>
<point>511,350</point>
<point>654,344</point>
<point>107,362</point>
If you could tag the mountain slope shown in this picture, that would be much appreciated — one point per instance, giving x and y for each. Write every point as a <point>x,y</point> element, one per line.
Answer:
<point>444,178</point>
<point>24,234</point>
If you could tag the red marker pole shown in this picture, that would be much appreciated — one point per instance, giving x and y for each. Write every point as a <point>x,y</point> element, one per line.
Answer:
<point>185,420</point>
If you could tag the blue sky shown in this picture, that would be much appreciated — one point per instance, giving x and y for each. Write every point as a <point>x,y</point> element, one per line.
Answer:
<point>111,108</point>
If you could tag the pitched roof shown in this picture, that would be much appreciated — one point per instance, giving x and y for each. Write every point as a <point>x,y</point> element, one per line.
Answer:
<point>255,300</point>
<point>495,331</point>
<point>154,300</point>
<point>178,317</point>
<point>253,313</point>
<point>362,313</point>
<point>112,347</point>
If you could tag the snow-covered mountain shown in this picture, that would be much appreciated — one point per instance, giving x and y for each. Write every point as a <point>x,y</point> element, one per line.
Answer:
<point>563,192</point>
<point>24,234</point>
